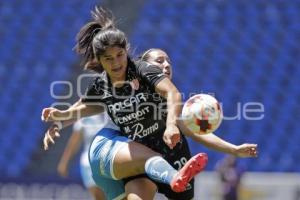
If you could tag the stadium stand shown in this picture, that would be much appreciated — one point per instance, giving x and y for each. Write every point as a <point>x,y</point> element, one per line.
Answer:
<point>241,51</point>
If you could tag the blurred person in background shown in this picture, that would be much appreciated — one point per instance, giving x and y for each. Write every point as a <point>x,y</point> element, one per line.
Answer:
<point>230,175</point>
<point>84,132</point>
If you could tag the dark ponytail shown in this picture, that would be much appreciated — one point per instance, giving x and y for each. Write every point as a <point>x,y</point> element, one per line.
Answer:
<point>84,40</point>
<point>96,36</point>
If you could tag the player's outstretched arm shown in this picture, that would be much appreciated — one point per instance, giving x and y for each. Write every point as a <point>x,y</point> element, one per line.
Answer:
<point>65,118</point>
<point>214,142</point>
<point>76,111</point>
<point>166,89</point>
<point>71,149</point>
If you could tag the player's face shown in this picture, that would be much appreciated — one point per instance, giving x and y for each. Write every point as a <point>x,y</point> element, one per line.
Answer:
<point>114,62</point>
<point>162,60</point>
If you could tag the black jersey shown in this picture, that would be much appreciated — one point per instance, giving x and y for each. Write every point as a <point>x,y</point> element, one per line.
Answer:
<point>140,112</point>
<point>135,107</point>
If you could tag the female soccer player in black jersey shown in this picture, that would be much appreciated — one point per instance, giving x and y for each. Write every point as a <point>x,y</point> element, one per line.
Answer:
<point>135,95</point>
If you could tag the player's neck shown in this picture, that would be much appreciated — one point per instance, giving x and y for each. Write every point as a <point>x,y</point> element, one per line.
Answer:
<point>119,81</point>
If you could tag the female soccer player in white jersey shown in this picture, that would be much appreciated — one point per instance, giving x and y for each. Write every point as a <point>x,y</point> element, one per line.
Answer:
<point>84,132</point>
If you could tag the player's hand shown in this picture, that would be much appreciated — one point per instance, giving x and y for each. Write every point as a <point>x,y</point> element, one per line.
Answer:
<point>50,114</point>
<point>171,135</point>
<point>62,169</point>
<point>50,135</point>
<point>246,150</point>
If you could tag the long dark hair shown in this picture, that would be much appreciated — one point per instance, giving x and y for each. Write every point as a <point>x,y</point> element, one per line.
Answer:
<point>96,36</point>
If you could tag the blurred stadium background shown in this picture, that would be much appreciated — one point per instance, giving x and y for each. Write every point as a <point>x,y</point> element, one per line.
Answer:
<point>241,51</point>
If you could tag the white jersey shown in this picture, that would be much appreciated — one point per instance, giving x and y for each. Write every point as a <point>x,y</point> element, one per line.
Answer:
<point>89,127</point>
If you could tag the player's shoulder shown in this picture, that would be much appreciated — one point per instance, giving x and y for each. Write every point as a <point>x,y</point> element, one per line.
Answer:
<point>145,67</point>
<point>142,64</point>
<point>100,78</point>
<point>99,82</point>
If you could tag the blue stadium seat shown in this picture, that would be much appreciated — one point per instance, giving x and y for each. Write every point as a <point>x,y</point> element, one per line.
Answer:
<point>35,50</point>
<point>241,51</point>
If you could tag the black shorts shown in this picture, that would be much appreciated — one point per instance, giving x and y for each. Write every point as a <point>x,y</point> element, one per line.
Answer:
<point>177,158</point>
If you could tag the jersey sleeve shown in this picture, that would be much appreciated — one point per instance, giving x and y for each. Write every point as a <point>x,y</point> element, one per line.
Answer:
<point>152,74</point>
<point>93,92</point>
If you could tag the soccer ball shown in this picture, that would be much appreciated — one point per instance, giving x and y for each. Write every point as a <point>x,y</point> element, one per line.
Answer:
<point>202,114</point>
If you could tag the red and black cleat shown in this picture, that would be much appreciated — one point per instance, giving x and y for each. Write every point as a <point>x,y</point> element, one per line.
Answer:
<point>195,165</point>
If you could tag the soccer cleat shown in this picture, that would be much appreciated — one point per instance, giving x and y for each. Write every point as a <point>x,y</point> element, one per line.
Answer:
<point>195,165</point>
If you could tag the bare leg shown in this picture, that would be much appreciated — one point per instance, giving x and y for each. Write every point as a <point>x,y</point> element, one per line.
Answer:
<point>140,189</point>
<point>97,193</point>
<point>130,160</point>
